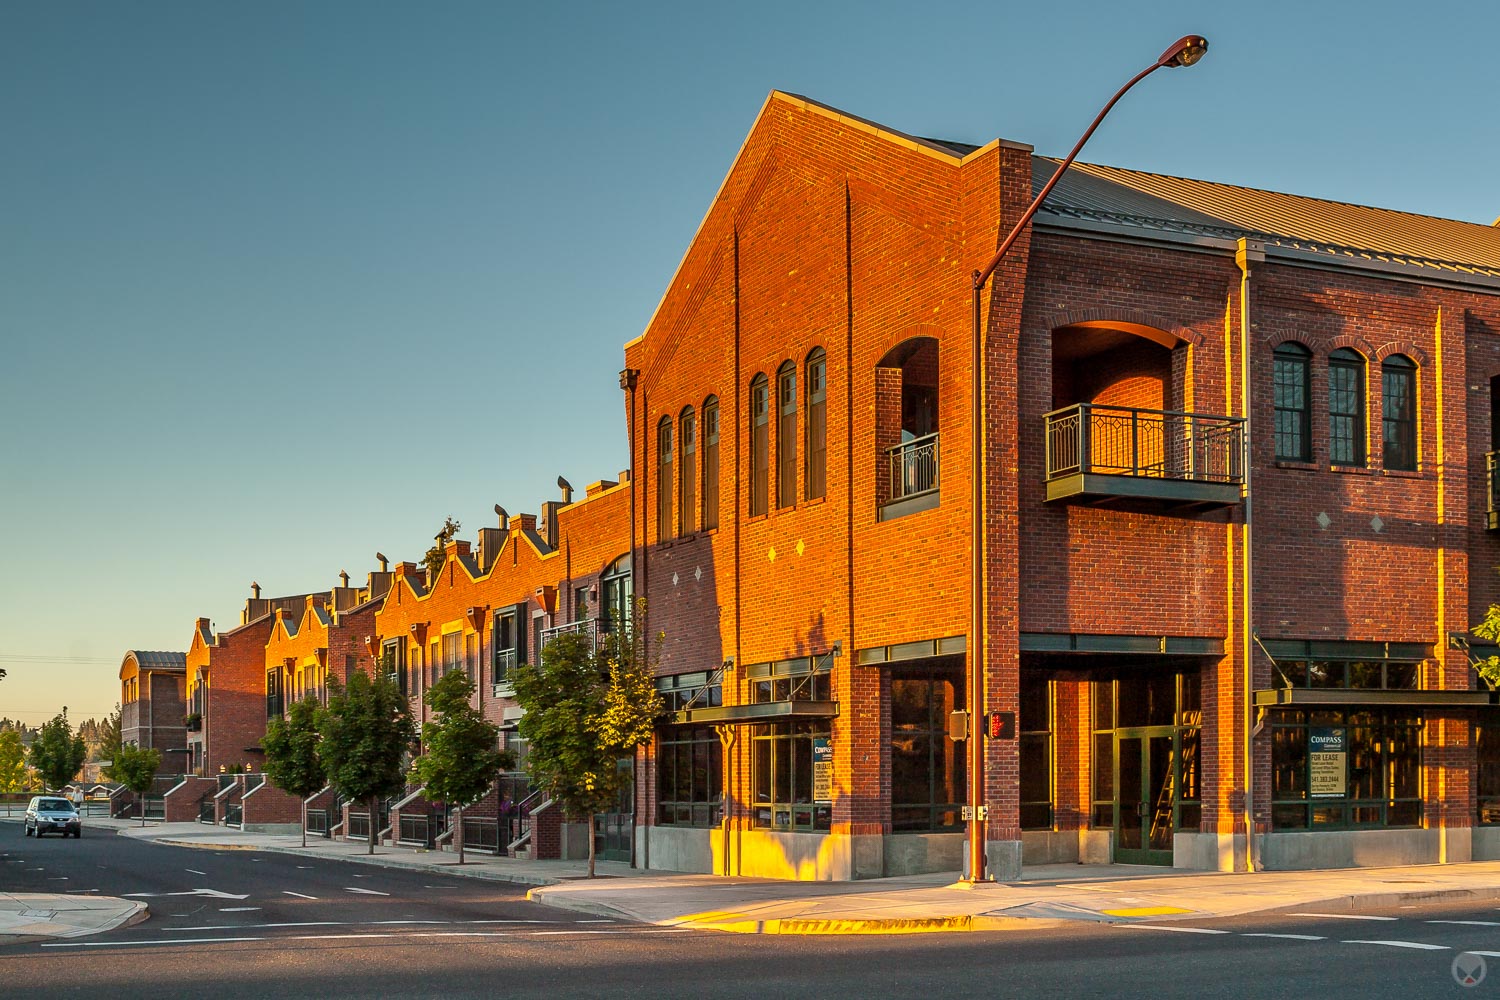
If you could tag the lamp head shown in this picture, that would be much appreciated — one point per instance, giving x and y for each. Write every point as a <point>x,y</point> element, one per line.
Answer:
<point>1184,52</point>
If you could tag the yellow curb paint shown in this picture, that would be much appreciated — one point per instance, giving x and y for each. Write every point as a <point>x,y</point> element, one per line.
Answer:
<point>1145,911</point>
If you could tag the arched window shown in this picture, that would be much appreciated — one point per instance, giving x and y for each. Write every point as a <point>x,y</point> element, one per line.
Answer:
<point>817,424</point>
<point>786,435</point>
<point>664,478</point>
<point>687,473</point>
<point>1293,410</point>
<point>760,444</point>
<point>710,463</point>
<point>617,590</point>
<point>1346,407</point>
<point>1398,411</point>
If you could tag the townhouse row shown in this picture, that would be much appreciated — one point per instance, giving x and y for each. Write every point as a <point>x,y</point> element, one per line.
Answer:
<point>1237,519</point>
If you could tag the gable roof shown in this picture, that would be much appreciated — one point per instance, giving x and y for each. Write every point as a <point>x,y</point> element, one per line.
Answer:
<point>1159,203</point>
<point>157,659</point>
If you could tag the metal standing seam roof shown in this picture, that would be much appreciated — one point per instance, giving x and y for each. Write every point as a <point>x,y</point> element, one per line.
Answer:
<point>157,659</point>
<point>1132,198</point>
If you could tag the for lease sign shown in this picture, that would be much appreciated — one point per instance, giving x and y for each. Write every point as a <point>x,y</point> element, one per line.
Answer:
<point>1327,763</point>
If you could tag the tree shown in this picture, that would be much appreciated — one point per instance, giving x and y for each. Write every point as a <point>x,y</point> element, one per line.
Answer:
<point>435,556</point>
<point>135,768</point>
<point>367,734</point>
<point>292,760</point>
<point>57,753</point>
<point>460,749</point>
<point>585,709</point>
<point>109,740</point>
<point>12,762</point>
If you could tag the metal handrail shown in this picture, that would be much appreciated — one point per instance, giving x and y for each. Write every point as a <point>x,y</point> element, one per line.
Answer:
<point>587,626</point>
<point>1129,441</point>
<point>913,466</point>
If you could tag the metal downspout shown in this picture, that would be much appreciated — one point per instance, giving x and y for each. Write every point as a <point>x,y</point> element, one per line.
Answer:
<point>1248,253</point>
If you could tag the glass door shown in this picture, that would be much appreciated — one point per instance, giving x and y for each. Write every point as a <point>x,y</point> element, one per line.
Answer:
<point>613,830</point>
<point>1145,795</point>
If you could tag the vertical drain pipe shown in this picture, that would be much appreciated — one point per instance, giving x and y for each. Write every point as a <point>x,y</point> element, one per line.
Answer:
<point>1247,253</point>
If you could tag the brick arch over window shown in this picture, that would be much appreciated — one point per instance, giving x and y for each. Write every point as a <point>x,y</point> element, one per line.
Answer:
<point>1119,362</point>
<point>1163,331</point>
<point>895,344</point>
<point>1394,347</point>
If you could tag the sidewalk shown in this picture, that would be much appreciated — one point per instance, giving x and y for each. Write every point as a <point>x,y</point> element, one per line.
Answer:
<point>1045,896</point>
<point>27,916</point>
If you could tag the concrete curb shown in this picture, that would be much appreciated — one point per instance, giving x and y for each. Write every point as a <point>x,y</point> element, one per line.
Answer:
<point>139,912</point>
<point>1375,900</point>
<point>376,861</point>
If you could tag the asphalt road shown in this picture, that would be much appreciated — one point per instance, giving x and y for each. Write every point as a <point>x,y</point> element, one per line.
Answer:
<point>229,924</point>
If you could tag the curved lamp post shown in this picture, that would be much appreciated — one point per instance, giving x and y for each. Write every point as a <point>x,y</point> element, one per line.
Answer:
<point>1184,52</point>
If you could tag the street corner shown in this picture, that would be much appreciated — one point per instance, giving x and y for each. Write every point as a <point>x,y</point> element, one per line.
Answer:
<point>48,917</point>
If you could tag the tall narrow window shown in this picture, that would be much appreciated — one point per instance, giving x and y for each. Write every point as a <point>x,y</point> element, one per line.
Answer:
<point>687,499</point>
<point>1290,378</point>
<point>710,463</point>
<point>817,424</point>
<point>786,436</point>
<point>760,444</point>
<point>1398,410</point>
<point>664,478</point>
<point>1346,407</point>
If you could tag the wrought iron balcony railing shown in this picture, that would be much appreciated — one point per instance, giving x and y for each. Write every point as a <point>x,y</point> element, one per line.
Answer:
<point>588,628</point>
<point>913,467</point>
<point>1116,451</point>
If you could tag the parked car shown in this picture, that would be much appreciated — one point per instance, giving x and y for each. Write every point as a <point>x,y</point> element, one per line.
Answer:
<point>51,814</point>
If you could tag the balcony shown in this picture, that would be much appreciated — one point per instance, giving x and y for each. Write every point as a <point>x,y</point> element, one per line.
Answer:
<point>1104,453</point>
<point>588,628</point>
<point>1491,490</point>
<point>912,467</point>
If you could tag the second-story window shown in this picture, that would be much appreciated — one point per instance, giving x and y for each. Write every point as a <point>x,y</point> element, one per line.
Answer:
<point>786,436</point>
<point>817,424</point>
<point>760,444</point>
<point>1346,407</point>
<point>710,463</point>
<point>687,492</point>
<point>1398,410</point>
<point>509,650</point>
<point>1290,378</point>
<point>664,478</point>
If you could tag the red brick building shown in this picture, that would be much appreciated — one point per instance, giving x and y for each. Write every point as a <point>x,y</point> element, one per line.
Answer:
<point>152,704</point>
<point>1235,479</point>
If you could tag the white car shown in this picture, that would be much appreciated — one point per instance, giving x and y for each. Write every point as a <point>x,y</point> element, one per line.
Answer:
<point>51,814</point>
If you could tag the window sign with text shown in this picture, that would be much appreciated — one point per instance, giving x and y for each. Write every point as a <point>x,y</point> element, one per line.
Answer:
<point>1328,763</point>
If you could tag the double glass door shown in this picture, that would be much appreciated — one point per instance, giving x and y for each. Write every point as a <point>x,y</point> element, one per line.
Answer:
<point>1146,795</point>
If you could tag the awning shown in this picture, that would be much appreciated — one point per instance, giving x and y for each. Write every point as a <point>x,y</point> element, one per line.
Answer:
<point>764,712</point>
<point>1324,649</point>
<point>1347,697</point>
<point>1150,645</point>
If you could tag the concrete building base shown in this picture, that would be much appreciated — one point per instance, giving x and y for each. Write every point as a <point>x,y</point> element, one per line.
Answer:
<point>1373,848</point>
<point>1209,852</point>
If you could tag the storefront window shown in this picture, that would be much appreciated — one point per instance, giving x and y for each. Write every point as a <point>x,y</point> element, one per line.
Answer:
<point>781,773</point>
<point>1487,740</point>
<point>1350,674</point>
<point>1345,768</point>
<point>689,777</point>
<point>927,769</point>
<point>1035,725</point>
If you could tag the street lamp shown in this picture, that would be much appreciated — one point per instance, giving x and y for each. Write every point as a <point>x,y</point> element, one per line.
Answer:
<point>1184,52</point>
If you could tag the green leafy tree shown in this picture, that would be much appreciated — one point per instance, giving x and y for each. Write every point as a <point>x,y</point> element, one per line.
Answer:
<point>109,736</point>
<point>135,768</point>
<point>12,762</point>
<point>292,760</point>
<point>435,556</point>
<point>1489,667</point>
<point>57,753</point>
<point>460,757</point>
<point>586,708</point>
<point>367,735</point>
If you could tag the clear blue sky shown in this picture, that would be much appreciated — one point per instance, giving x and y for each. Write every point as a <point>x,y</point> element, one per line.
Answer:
<point>282,284</point>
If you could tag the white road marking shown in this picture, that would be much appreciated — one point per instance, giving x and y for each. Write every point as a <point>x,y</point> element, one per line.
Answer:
<point>367,892</point>
<point>1179,930</point>
<point>57,878</point>
<point>304,868</point>
<point>1286,937</point>
<point>238,909</point>
<point>138,944</point>
<point>1416,945</point>
<point>1486,954</point>
<point>356,937</point>
<point>440,887</point>
<point>1342,916</point>
<point>299,895</point>
<point>216,894</point>
<point>1468,923</point>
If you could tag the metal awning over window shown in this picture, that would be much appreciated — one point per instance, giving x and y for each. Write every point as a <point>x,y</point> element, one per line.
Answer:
<point>1157,645</point>
<point>1373,698</point>
<point>765,712</point>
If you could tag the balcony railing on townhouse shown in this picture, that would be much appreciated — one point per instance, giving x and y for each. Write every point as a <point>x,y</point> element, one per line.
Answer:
<point>1492,490</point>
<point>482,833</point>
<point>193,722</point>
<point>912,468</point>
<point>505,665</point>
<point>234,814</point>
<point>588,628</point>
<point>206,810</point>
<point>1100,453</point>
<point>416,830</point>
